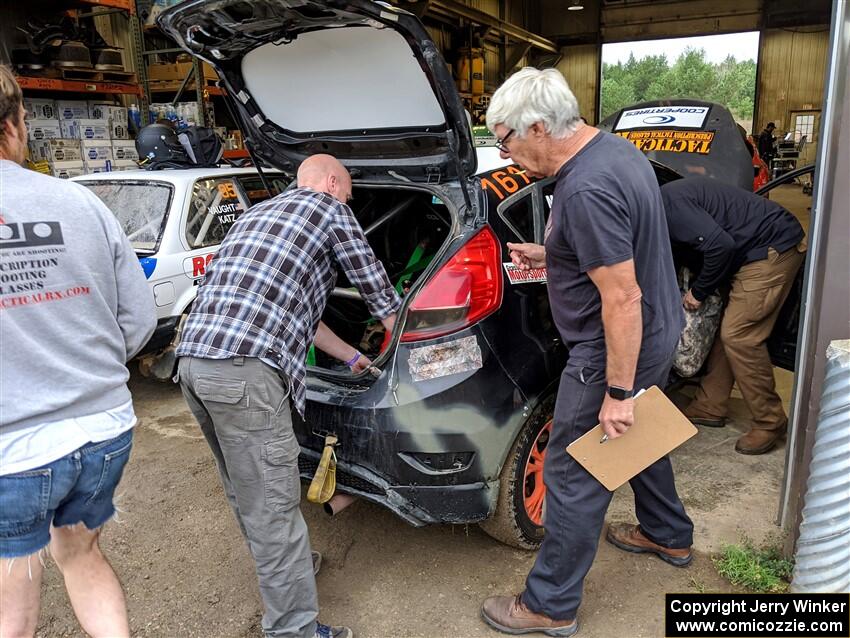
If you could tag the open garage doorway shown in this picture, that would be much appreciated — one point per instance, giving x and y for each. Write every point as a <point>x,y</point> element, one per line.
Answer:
<point>715,68</point>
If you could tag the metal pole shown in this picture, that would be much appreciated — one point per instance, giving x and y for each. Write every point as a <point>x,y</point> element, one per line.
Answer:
<point>823,550</point>
<point>825,180</point>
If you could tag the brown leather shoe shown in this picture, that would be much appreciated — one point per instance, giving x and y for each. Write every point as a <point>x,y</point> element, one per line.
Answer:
<point>510,615</point>
<point>759,441</point>
<point>707,422</point>
<point>629,538</point>
<point>702,419</point>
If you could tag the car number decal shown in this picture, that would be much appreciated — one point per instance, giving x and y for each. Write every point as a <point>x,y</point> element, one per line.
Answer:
<point>503,182</point>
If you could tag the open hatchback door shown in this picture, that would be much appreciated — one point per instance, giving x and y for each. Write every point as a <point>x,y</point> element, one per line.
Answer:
<point>357,79</point>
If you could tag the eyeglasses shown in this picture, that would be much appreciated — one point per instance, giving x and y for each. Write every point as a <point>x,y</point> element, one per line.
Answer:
<point>500,143</point>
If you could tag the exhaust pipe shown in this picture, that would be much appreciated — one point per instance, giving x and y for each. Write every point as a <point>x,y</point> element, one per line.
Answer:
<point>337,503</point>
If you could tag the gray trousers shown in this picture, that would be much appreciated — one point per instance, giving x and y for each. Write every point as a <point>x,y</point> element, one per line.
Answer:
<point>242,407</point>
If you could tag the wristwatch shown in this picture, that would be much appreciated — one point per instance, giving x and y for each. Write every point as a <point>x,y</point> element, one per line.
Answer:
<point>621,394</point>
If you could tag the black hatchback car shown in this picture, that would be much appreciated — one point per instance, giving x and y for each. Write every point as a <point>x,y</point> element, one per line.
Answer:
<point>454,427</point>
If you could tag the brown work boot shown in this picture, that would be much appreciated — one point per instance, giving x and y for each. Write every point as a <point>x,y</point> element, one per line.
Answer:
<point>629,538</point>
<point>759,441</point>
<point>510,615</point>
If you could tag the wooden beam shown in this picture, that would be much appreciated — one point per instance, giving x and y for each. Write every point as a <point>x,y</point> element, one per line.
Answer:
<point>477,16</point>
<point>519,52</point>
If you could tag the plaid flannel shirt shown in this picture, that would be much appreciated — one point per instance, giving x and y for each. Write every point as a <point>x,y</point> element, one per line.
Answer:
<point>266,289</point>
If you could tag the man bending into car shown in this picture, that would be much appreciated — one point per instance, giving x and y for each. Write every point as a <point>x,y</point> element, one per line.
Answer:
<point>614,299</point>
<point>753,247</point>
<point>243,359</point>
<point>74,307</point>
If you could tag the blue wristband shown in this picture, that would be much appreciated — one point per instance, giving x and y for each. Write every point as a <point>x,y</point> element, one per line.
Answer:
<point>353,359</point>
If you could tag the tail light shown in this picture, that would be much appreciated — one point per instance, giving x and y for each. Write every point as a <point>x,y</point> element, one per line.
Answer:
<point>463,291</point>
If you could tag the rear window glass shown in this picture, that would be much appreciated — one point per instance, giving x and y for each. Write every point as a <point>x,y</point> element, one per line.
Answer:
<point>141,208</point>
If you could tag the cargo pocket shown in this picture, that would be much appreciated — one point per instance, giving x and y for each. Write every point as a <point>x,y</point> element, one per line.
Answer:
<point>280,476</point>
<point>221,395</point>
<point>761,297</point>
<point>24,501</point>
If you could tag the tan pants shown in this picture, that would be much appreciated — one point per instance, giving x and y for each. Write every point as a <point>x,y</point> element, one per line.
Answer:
<point>740,351</point>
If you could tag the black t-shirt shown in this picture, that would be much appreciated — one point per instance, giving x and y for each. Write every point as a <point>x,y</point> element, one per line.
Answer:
<point>607,209</point>
<point>727,225</point>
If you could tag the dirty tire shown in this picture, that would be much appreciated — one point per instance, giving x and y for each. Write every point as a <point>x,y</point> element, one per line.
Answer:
<point>511,523</point>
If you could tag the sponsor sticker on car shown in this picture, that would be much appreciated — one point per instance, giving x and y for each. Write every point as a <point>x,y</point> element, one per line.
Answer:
<point>196,267</point>
<point>517,275</point>
<point>671,141</point>
<point>682,116</point>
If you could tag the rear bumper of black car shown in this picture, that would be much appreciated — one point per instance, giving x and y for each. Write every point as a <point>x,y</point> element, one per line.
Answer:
<point>418,505</point>
<point>429,450</point>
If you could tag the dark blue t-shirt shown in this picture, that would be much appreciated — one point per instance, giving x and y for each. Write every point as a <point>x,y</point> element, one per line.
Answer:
<point>607,209</point>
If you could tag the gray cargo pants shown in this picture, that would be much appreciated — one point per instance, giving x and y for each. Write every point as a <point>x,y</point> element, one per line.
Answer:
<point>242,406</point>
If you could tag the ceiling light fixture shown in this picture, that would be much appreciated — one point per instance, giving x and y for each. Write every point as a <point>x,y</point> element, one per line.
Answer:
<point>575,5</point>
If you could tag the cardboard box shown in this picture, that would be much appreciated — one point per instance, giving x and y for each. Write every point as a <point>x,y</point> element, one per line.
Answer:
<point>66,170</point>
<point>42,166</point>
<point>85,129</point>
<point>56,150</point>
<point>38,109</point>
<point>96,150</point>
<point>116,116</point>
<point>97,166</point>
<point>72,109</point>
<point>124,165</point>
<point>178,71</point>
<point>124,150</point>
<point>43,130</point>
<point>118,129</point>
<point>100,111</point>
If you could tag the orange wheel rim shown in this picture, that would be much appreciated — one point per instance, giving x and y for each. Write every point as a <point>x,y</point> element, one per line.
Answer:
<point>534,494</point>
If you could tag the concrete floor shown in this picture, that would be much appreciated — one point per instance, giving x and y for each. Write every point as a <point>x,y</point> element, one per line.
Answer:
<point>187,572</point>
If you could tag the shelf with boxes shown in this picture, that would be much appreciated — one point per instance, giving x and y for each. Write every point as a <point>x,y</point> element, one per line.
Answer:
<point>74,137</point>
<point>77,86</point>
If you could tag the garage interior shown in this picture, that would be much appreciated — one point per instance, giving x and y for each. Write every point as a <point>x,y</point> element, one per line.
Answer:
<point>176,546</point>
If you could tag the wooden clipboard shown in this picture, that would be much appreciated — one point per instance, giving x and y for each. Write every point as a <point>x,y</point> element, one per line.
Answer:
<point>658,429</point>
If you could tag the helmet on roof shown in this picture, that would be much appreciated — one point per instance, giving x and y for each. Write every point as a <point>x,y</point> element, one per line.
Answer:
<point>158,146</point>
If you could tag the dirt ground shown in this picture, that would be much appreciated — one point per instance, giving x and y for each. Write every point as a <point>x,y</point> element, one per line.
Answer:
<point>187,572</point>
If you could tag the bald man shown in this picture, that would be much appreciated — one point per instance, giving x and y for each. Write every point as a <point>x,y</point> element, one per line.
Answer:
<point>242,362</point>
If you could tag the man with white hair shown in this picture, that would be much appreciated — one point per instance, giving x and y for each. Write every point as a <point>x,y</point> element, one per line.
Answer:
<point>242,360</point>
<point>614,298</point>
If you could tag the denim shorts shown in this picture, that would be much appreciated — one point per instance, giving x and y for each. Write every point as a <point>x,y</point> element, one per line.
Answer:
<point>77,488</point>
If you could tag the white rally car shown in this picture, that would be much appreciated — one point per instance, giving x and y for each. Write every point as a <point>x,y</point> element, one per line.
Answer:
<point>175,220</point>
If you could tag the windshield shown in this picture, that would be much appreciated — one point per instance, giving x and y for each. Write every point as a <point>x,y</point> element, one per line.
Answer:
<point>140,207</point>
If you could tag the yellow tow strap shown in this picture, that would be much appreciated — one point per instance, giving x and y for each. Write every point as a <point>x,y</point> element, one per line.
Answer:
<point>323,485</point>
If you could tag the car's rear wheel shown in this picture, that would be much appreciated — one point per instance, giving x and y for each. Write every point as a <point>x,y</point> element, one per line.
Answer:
<point>518,519</point>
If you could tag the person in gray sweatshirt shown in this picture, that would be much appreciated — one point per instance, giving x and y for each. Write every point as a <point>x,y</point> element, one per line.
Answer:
<point>74,307</point>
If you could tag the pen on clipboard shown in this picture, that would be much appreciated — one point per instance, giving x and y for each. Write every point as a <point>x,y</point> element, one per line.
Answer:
<point>605,436</point>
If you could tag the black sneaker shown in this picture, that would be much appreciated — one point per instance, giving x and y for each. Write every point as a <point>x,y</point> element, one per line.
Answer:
<point>326,631</point>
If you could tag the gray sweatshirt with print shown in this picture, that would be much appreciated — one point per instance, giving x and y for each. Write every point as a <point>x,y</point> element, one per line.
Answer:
<point>74,303</point>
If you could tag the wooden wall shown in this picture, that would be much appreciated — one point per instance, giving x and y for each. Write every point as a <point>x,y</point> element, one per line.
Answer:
<point>792,67</point>
<point>580,65</point>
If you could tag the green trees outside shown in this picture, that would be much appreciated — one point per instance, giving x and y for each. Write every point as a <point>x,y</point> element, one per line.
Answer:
<point>731,83</point>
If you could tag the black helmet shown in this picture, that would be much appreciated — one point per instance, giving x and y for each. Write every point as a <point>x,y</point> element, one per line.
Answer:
<point>157,144</point>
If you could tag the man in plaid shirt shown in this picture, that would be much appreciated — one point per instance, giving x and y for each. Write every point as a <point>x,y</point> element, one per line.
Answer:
<point>242,356</point>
